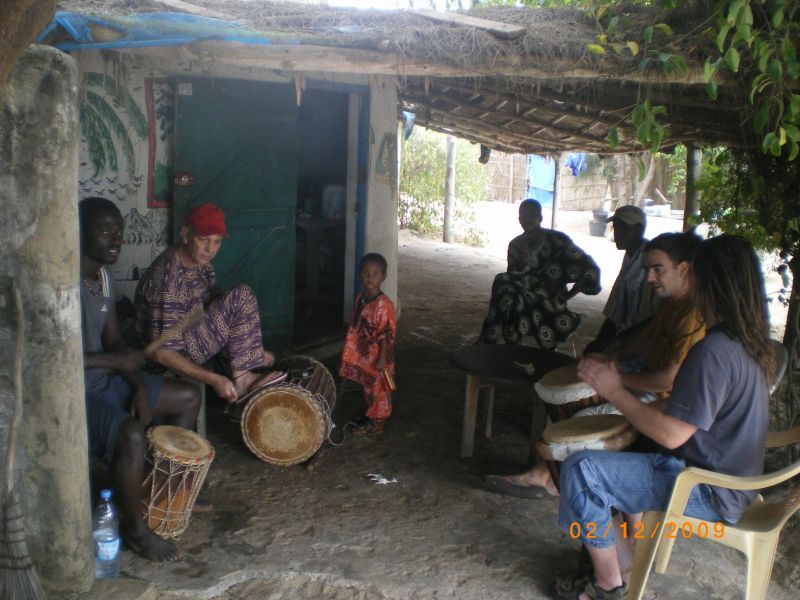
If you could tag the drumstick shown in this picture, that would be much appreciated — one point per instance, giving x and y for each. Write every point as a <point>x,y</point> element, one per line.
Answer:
<point>191,319</point>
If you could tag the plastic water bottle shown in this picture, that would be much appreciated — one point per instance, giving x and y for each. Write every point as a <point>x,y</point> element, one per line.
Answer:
<point>105,530</point>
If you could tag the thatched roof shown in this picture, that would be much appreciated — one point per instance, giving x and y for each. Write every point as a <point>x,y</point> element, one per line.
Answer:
<point>531,87</point>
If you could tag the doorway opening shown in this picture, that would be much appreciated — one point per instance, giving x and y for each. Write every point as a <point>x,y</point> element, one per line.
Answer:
<point>320,217</point>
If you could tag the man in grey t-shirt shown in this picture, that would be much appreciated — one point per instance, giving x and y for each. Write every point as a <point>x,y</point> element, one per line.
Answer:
<point>716,418</point>
<point>116,388</point>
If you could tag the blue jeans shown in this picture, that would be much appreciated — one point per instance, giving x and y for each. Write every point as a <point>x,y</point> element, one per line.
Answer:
<point>595,481</point>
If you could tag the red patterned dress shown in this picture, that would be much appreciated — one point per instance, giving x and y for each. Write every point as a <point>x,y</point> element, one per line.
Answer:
<point>373,321</point>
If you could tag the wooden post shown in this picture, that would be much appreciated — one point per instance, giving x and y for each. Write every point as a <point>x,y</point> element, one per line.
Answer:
<point>511,178</point>
<point>449,189</point>
<point>556,199</point>
<point>693,156</point>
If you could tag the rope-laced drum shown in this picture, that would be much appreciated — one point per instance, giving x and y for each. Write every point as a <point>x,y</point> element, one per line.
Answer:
<point>564,393</point>
<point>180,460</point>
<point>286,423</point>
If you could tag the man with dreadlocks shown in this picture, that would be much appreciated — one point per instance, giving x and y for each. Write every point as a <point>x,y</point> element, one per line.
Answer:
<point>716,419</point>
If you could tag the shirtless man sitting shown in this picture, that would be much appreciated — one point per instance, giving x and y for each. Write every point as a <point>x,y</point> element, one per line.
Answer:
<point>675,328</point>
<point>182,280</point>
<point>115,385</point>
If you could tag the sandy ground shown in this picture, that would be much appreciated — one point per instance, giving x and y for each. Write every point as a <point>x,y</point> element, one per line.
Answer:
<point>329,532</point>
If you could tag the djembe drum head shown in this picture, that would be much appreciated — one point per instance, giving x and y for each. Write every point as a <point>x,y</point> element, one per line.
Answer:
<point>284,424</point>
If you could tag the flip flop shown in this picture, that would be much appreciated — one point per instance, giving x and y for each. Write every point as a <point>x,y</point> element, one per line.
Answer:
<point>502,484</point>
<point>568,589</point>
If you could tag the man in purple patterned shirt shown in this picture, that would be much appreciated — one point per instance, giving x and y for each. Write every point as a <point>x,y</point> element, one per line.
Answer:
<point>181,280</point>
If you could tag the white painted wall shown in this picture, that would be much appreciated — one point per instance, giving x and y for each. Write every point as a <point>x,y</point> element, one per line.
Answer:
<point>381,229</point>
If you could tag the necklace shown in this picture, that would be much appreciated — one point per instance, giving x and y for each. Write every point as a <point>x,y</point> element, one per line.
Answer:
<point>95,287</point>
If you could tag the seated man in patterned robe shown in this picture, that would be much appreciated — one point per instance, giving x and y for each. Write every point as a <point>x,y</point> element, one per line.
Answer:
<point>530,298</point>
<point>182,280</point>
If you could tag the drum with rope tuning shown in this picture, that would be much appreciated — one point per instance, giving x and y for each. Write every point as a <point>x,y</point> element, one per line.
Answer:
<point>285,424</point>
<point>179,461</point>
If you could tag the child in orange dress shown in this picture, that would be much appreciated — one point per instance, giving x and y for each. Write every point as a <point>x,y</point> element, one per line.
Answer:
<point>368,353</point>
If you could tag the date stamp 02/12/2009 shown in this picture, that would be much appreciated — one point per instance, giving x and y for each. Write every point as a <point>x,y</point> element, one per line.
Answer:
<point>672,530</point>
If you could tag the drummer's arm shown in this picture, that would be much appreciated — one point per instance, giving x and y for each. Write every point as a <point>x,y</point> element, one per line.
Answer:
<point>659,380</point>
<point>647,419</point>
<point>651,420</point>
<point>178,363</point>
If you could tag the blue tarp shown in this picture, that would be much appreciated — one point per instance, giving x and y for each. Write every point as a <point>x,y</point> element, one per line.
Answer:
<point>146,29</point>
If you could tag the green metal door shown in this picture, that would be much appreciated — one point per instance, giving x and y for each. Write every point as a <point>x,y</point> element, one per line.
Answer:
<point>236,146</point>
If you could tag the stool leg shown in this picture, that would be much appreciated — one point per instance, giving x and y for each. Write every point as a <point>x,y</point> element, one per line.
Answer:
<point>488,408</point>
<point>470,416</point>
<point>201,417</point>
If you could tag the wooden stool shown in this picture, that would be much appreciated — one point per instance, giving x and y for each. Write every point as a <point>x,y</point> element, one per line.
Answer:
<point>488,365</point>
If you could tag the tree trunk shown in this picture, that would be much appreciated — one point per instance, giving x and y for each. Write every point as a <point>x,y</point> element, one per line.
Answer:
<point>449,189</point>
<point>644,185</point>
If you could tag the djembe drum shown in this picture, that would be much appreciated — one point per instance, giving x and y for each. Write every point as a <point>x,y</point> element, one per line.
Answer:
<point>564,393</point>
<point>285,424</point>
<point>180,460</point>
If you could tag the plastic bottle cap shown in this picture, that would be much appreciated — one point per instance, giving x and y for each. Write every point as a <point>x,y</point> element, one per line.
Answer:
<point>105,494</point>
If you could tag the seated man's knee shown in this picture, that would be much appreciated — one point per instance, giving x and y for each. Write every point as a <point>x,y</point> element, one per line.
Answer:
<point>130,436</point>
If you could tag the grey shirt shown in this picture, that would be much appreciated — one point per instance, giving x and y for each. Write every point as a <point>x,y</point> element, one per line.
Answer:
<point>96,299</point>
<point>724,392</point>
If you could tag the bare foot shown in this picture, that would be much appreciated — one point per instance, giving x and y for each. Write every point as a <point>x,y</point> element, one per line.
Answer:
<point>539,476</point>
<point>148,544</point>
<point>269,358</point>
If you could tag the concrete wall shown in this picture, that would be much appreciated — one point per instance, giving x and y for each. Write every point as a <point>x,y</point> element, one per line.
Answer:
<point>383,178</point>
<point>39,251</point>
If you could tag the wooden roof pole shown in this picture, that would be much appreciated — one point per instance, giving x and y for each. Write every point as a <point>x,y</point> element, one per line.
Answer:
<point>693,158</point>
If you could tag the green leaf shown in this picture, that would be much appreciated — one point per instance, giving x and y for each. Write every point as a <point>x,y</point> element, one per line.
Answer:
<point>723,33</point>
<point>648,34</point>
<point>732,59</point>
<point>777,19</point>
<point>613,137</point>
<point>775,69</point>
<point>793,148</point>
<point>612,25</point>
<point>712,89</point>
<point>733,11</point>
<point>602,38</point>
<point>763,57</point>
<point>792,131</point>
<point>664,28</point>
<point>762,116</point>
<point>794,106</point>
<point>643,64</point>
<point>595,49</point>
<point>616,47</point>
<point>708,71</point>
<point>680,64</point>
<point>633,47</point>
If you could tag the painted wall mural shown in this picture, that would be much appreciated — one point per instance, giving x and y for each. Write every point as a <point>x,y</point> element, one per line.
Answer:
<point>126,155</point>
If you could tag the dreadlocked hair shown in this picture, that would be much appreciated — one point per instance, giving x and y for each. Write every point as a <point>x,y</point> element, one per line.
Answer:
<point>728,284</point>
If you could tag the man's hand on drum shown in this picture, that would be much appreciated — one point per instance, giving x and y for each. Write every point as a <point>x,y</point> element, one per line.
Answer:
<point>602,375</point>
<point>224,388</point>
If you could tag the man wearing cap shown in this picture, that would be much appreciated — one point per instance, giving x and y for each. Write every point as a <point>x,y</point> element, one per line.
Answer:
<point>631,301</point>
<point>181,280</point>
